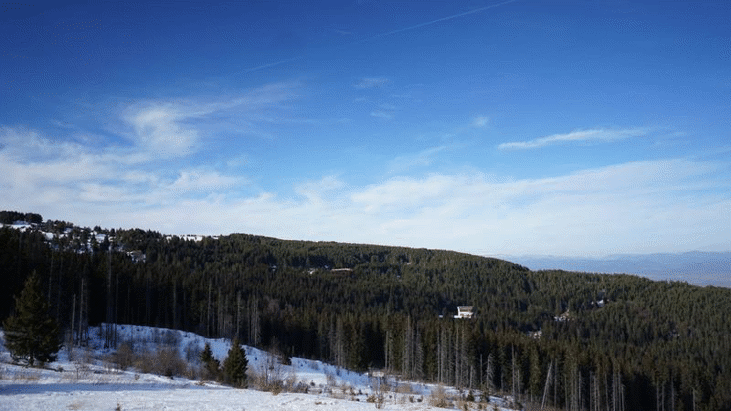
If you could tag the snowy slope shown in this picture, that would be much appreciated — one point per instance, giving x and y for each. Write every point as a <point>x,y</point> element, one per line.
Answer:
<point>88,381</point>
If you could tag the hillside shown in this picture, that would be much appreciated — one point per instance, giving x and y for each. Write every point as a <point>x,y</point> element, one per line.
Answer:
<point>577,339</point>
<point>95,378</point>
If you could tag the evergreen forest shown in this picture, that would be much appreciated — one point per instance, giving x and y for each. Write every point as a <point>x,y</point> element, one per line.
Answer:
<point>573,341</point>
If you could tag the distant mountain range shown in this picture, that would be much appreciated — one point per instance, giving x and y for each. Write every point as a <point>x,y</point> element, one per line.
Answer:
<point>694,267</point>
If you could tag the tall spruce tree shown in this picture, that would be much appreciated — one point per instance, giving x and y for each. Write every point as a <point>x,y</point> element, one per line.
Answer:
<point>31,333</point>
<point>235,364</point>
<point>210,364</point>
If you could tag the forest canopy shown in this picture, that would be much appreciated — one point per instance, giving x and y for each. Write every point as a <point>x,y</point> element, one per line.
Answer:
<point>588,339</point>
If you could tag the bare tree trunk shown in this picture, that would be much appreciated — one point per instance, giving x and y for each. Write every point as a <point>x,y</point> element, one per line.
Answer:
<point>464,360</point>
<point>606,389</point>
<point>175,305</point>
<point>254,324</point>
<point>418,356</point>
<point>339,343</point>
<point>238,314</point>
<point>406,349</point>
<point>219,327</point>
<point>208,315</point>
<point>614,390</point>
<point>82,311</point>
<point>440,353</point>
<point>490,374</point>
<point>447,347</point>
<point>73,321</point>
<point>116,309</point>
<point>579,385</point>
<point>657,395</point>
<point>457,362</point>
<point>621,397</point>
<point>58,293</point>
<point>387,350</point>
<point>555,383</point>
<point>148,299</point>
<point>108,331</point>
<point>545,388</point>
<point>50,277</point>
<point>512,362</point>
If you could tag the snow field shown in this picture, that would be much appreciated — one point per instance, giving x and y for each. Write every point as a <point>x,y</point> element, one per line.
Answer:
<point>87,380</point>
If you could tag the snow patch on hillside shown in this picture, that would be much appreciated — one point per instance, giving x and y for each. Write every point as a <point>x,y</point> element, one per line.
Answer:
<point>85,379</point>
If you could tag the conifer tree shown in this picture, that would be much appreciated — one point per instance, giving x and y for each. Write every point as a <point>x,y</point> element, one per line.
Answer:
<point>31,333</point>
<point>210,364</point>
<point>235,364</point>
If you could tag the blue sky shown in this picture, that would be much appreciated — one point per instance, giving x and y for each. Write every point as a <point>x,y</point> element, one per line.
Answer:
<point>571,128</point>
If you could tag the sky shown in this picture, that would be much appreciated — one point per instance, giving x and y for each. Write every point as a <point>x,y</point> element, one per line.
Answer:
<point>519,127</point>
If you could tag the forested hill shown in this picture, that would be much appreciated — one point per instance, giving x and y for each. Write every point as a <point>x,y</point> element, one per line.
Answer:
<point>583,341</point>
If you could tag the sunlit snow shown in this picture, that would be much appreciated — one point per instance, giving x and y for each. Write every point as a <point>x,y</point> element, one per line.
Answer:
<point>89,381</point>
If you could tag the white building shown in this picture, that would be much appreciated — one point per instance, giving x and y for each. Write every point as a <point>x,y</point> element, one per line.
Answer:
<point>464,312</point>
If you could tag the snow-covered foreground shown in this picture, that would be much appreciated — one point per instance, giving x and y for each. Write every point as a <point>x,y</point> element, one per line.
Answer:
<point>86,380</point>
<point>84,396</point>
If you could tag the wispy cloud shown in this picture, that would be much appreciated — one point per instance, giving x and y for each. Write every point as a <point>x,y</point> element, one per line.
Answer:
<point>645,206</point>
<point>318,192</point>
<point>158,130</point>
<point>629,207</point>
<point>480,121</point>
<point>341,32</point>
<point>386,115</point>
<point>590,212</point>
<point>164,129</point>
<point>421,159</point>
<point>59,173</point>
<point>575,136</point>
<point>77,174</point>
<point>203,180</point>
<point>371,82</point>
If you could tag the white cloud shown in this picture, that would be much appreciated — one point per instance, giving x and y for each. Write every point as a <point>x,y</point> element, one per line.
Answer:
<point>197,180</point>
<point>645,206</point>
<point>163,130</point>
<point>480,121</point>
<point>45,174</point>
<point>95,192</point>
<point>382,114</point>
<point>318,192</point>
<point>574,136</point>
<point>158,130</point>
<point>403,193</point>
<point>420,159</point>
<point>57,173</point>
<point>371,82</point>
<point>270,95</point>
<point>633,207</point>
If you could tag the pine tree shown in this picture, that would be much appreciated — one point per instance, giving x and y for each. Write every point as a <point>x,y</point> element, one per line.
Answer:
<point>32,334</point>
<point>210,364</point>
<point>234,366</point>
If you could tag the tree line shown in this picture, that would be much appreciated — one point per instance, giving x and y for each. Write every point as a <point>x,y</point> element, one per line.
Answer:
<point>575,341</point>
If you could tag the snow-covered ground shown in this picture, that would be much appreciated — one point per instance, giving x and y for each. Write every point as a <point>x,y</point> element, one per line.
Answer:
<point>87,380</point>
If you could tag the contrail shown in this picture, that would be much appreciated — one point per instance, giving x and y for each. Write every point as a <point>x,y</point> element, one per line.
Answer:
<point>389,33</point>
<point>481,9</point>
<point>263,66</point>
